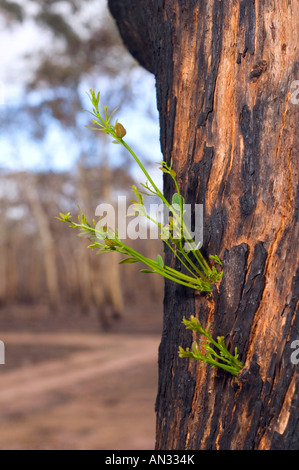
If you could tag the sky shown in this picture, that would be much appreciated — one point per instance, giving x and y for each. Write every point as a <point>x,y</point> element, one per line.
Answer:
<point>59,151</point>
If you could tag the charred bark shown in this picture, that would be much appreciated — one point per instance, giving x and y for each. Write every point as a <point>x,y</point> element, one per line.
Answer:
<point>224,74</point>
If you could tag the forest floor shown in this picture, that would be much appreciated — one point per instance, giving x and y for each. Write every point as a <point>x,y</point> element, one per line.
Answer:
<point>69,385</point>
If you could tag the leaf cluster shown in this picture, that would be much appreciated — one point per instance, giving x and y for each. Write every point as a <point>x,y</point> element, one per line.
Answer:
<point>210,351</point>
<point>198,275</point>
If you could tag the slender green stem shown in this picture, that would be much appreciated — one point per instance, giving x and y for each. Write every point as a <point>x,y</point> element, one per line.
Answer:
<point>202,276</point>
<point>125,249</point>
<point>182,251</point>
<point>199,257</point>
<point>145,172</point>
<point>194,266</point>
<point>223,359</point>
<point>154,265</point>
<point>180,259</point>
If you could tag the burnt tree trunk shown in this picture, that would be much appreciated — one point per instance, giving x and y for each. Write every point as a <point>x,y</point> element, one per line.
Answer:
<point>225,75</point>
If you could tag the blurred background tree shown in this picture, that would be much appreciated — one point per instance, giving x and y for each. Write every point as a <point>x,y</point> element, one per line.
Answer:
<point>53,53</point>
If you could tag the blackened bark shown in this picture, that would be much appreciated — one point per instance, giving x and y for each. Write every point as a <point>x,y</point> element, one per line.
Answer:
<point>223,74</point>
<point>134,21</point>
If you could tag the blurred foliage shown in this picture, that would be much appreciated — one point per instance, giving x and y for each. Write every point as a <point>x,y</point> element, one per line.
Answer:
<point>82,47</point>
<point>11,10</point>
<point>76,46</point>
<point>37,262</point>
<point>60,27</point>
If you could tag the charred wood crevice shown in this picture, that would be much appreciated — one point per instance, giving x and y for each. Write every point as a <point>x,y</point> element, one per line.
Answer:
<point>250,298</point>
<point>257,70</point>
<point>251,128</point>
<point>211,77</point>
<point>247,23</point>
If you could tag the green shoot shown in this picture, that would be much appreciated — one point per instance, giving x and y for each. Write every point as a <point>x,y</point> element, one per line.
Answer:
<point>210,351</point>
<point>198,275</point>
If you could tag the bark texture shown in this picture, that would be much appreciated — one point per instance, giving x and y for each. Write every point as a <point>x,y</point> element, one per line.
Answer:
<point>224,76</point>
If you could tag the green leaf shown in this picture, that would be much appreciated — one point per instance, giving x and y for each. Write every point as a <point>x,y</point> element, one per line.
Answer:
<point>95,128</point>
<point>112,113</point>
<point>177,199</point>
<point>64,217</point>
<point>163,169</point>
<point>128,261</point>
<point>195,347</point>
<point>148,271</point>
<point>160,261</point>
<point>137,194</point>
<point>221,358</point>
<point>216,259</point>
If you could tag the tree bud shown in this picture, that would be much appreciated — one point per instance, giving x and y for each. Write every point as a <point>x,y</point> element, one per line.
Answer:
<point>120,130</point>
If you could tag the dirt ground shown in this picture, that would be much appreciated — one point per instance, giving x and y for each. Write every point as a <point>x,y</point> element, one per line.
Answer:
<point>69,385</point>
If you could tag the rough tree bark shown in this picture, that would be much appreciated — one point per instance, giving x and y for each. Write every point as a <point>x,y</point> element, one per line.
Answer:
<point>224,74</point>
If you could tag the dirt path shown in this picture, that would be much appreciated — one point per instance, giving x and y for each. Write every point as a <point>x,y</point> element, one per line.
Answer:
<point>84,400</point>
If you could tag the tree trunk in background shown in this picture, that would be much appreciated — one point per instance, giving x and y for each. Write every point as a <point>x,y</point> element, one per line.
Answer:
<point>47,243</point>
<point>112,305</point>
<point>228,117</point>
<point>3,255</point>
<point>83,260</point>
<point>106,291</point>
